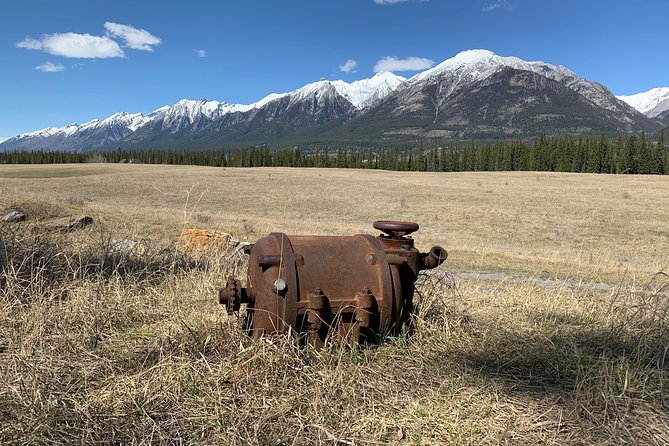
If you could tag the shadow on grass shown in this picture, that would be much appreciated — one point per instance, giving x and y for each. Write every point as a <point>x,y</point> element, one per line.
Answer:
<point>47,263</point>
<point>554,351</point>
<point>561,362</point>
<point>597,373</point>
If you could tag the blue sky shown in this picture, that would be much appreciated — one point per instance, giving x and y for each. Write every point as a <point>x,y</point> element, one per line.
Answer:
<point>75,60</point>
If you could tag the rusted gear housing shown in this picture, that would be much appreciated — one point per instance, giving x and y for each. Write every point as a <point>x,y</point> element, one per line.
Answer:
<point>355,287</point>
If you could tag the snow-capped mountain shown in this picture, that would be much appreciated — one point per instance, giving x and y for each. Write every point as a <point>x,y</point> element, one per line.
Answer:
<point>475,94</point>
<point>652,103</point>
<point>94,134</point>
<point>120,124</point>
<point>471,66</point>
<point>325,98</point>
<point>360,94</point>
<point>478,94</point>
<point>475,65</point>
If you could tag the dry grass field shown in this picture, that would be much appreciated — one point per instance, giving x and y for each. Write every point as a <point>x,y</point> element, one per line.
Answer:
<point>101,346</point>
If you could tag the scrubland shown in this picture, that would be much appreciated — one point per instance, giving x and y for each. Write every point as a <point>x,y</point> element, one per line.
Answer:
<point>101,345</point>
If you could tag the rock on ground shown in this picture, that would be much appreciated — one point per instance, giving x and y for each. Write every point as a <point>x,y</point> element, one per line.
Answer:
<point>14,216</point>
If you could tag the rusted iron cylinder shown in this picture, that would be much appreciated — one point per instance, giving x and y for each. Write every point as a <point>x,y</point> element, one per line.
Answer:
<point>354,287</point>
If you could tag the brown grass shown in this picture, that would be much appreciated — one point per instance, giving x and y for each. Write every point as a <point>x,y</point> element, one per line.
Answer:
<point>566,225</point>
<point>101,346</point>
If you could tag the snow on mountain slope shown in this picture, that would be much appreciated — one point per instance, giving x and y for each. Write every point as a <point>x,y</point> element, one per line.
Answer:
<point>119,120</point>
<point>44,133</point>
<point>314,90</point>
<point>195,114</point>
<point>651,103</point>
<point>361,93</point>
<point>472,66</point>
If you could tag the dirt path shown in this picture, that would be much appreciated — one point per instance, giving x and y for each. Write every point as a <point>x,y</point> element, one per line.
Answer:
<point>658,284</point>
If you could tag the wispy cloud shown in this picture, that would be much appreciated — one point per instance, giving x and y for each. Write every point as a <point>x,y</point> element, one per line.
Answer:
<point>201,53</point>
<point>3,138</point>
<point>50,67</point>
<point>348,66</point>
<point>135,38</point>
<point>408,64</point>
<point>84,46</point>
<point>497,4</point>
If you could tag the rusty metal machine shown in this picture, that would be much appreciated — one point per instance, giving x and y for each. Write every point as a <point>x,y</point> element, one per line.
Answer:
<point>355,287</point>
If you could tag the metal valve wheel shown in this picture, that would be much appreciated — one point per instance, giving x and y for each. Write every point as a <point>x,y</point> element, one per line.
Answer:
<point>396,229</point>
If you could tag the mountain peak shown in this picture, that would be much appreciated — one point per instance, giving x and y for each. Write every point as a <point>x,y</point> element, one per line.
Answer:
<point>359,93</point>
<point>386,75</point>
<point>468,56</point>
<point>363,92</point>
<point>478,64</point>
<point>651,103</point>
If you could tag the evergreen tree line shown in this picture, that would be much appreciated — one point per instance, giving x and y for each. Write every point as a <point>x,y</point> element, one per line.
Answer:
<point>629,154</point>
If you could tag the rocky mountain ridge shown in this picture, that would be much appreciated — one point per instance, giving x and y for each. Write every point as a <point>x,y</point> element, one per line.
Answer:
<point>477,94</point>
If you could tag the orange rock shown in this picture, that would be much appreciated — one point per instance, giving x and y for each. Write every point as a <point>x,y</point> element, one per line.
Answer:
<point>201,239</point>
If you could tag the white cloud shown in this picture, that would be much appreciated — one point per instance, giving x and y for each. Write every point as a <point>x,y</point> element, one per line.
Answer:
<point>201,53</point>
<point>50,67</point>
<point>135,38</point>
<point>408,64</point>
<point>3,138</point>
<point>84,46</point>
<point>348,66</point>
<point>31,44</point>
<point>504,4</point>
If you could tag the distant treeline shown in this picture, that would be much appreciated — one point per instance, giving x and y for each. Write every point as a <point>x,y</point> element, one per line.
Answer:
<point>630,154</point>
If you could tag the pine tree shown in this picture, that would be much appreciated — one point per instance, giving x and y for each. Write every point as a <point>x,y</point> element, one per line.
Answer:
<point>630,162</point>
<point>602,164</point>
<point>658,156</point>
<point>645,156</point>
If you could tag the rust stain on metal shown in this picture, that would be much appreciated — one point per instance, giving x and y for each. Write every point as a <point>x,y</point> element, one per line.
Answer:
<point>354,287</point>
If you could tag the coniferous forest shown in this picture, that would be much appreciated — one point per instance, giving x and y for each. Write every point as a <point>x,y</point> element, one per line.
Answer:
<point>624,154</point>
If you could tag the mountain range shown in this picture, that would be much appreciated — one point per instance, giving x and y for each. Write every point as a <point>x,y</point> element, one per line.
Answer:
<point>472,96</point>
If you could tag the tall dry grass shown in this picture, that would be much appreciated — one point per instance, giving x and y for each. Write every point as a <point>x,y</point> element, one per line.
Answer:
<point>106,346</point>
